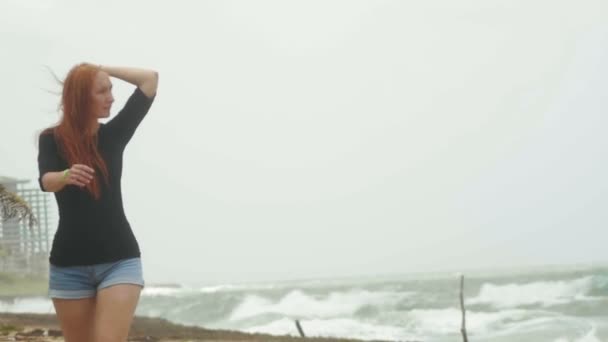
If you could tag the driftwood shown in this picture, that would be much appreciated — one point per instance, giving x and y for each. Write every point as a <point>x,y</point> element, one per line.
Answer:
<point>463,328</point>
<point>300,329</point>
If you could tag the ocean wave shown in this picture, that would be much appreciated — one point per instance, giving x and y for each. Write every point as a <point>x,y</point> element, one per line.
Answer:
<point>298,304</point>
<point>237,287</point>
<point>590,336</point>
<point>209,289</point>
<point>544,293</point>
<point>162,291</point>
<point>28,305</point>
<point>448,320</point>
<point>159,291</point>
<point>337,328</point>
<point>339,306</point>
<point>418,325</point>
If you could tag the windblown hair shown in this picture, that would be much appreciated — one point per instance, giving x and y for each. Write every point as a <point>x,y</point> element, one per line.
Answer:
<point>76,142</point>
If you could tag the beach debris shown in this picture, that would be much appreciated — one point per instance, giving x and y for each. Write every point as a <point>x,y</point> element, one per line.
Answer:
<point>300,328</point>
<point>6,329</point>
<point>463,328</point>
<point>35,332</point>
<point>54,333</point>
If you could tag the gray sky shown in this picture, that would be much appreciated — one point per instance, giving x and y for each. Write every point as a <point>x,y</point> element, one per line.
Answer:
<point>315,138</point>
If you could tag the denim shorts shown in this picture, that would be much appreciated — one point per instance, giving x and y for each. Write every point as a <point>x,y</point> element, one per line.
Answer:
<point>75,282</point>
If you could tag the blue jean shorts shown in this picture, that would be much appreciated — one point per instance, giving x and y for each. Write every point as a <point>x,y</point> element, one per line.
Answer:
<point>75,282</point>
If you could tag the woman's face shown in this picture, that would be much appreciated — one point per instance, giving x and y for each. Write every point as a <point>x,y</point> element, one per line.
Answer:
<point>102,95</point>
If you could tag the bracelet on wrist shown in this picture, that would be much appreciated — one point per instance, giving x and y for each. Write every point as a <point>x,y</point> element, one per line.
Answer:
<point>65,175</point>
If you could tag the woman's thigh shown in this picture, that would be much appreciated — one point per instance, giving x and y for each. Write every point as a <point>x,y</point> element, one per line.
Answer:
<point>72,290</point>
<point>96,302</point>
<point>76,318</point>
<point>114,310</point>
<point>118,290</point>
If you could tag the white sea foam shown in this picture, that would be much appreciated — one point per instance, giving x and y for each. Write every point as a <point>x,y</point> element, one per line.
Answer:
<point>161,291</point>
<point>301,305</point>
<point>28,305</point>
<point>236,287</point>
<point>545,293</point>
<point>417,325</point>
<point>194,289</point>
<point>341,327</point>
<point>340,306</point>
<point>445,321</point>
<point>590,336</point>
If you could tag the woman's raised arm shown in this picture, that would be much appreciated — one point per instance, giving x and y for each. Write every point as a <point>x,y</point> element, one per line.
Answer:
<point>144,79</point>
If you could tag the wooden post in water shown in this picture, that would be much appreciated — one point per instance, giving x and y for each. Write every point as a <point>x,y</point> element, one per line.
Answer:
<point>300,328</point>
<point>463,328</point>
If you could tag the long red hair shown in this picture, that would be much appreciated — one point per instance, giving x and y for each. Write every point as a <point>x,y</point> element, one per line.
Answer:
<point>77,142</point>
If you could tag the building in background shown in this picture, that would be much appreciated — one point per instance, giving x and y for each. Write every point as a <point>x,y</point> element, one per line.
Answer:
<point>24,250</point>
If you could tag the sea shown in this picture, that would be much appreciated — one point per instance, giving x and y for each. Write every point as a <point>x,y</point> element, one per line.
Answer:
<point>548,304</point>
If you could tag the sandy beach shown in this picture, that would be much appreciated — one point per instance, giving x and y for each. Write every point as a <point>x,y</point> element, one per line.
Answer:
<point>45,327</point>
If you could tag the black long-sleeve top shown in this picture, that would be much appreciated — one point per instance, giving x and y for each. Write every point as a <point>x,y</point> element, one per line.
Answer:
<point>94,231</point>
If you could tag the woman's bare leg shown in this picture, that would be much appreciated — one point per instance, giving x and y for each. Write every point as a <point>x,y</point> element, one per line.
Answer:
<point>114,312</point>
<point>76,317</point>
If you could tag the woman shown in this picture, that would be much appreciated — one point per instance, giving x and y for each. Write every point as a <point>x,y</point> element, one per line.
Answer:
<point>95,275</point>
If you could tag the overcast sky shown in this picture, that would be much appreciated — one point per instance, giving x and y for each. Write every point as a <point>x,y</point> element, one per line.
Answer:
<point>297,139</point>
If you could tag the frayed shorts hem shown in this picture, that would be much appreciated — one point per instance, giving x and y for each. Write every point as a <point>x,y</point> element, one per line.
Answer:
<point>78,282</point>
<point>81,294</point>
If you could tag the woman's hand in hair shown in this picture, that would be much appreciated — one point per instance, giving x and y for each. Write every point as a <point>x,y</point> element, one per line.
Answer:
<point>144,79</point>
